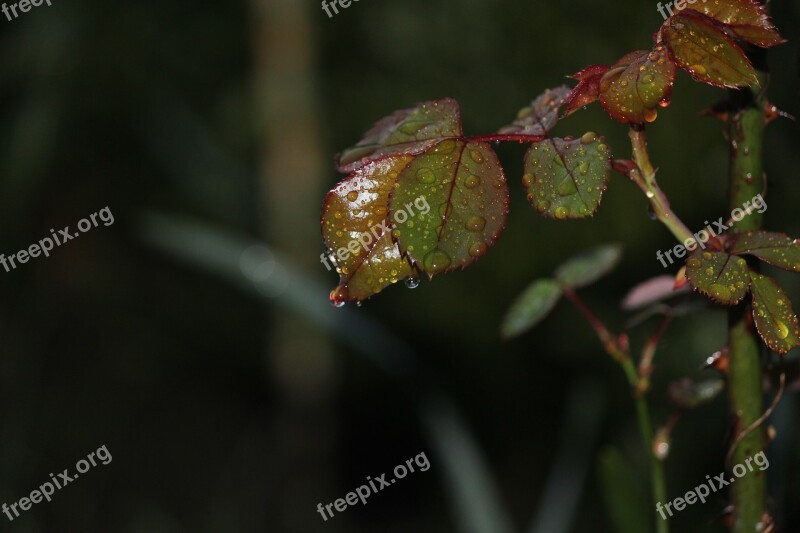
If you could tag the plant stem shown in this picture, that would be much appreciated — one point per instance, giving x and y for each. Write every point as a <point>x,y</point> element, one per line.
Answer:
<point>746,134</point>
<point>620,354</point>
<point>506,137</point>
<point>645,178</point>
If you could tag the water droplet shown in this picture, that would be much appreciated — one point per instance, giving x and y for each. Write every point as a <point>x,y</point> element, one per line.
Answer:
<point>472,181</point>
<point>720,292</point>
<point>476,156</point>
<point>410,128</point>
<point>524,112</point>
<point>426,176</point>
<point>477,249</point>
<point>528,180</point>
<point>693,263</point>
<point>698,69</point>
<point>557,160</point>
<point>650,194</point>
<point>708,256</point>
<point>543,205</point>
<point>561,212</point>
<point>339,296</point>
<point>650,115</point>
<point>647,79</point>
<point>476,223</point>
<point>583,168</point>
<point>588,137</point>
<point>338,214</point>
<point>412,283</point>
<point>445,147</point>
<point>783,329</point>
<point>352,196</point>
<point>436,261</point>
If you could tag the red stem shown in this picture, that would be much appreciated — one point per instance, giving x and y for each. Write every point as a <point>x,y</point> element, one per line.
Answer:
<point>506,137</point>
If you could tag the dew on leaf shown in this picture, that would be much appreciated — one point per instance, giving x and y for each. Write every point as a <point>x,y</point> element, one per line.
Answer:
<point>436,261</point>
<point>426,176</point>
<point>477,249</point>
<point>472,181</point>
<point>476,223</point>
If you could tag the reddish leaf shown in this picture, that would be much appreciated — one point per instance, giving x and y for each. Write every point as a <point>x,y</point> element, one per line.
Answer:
<point>699,46</point>
<point>772,310</point>
<point>588,88</point>
<point>405,132</point>
<point>774,248</point>
<point>636,85</point>
<point>464,187</point>
<point>355,216</point>
<point>541,116</point>
<point>567,179</point>
<point>651,291</point>
<point>747,19</point>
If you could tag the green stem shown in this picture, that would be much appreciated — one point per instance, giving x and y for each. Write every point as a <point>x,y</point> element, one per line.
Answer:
<point>646,180</point>
<point>620,354</point>
<point>746,135</point>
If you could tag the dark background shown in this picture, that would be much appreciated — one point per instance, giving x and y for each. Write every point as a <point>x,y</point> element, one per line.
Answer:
<point>194,338</point>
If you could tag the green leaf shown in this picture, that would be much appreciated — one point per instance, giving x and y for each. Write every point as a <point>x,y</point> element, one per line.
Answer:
<point>590,266</point>
<point>720,276</point>
<point>747,19</point>
<point>531,307</point>
<point>699,46</point>
<point>633,89</point>
<point>774,248</point>
<point>773,314</point>
<point>466,190</point>
<point>355,212</point>
<point>622,493</point>
<point>567,178</point>
<point>541,115</point>
<point>405,132</point>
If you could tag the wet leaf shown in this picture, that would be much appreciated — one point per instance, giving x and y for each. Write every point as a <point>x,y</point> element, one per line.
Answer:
<point>774,248</point>
<point>466,191</point>
<point>566,179</point>
<point>773,314</point>
<point>405,132</point>
<point>355,227</point>
<point>700,47</point>
<point>541,115</point>
<point>722,277</point>
<point>589,266</point>
<point>747,19</point>
<point>688,394</point>
<point>531,307</point>
<point>633,89</point>
<point>588,88</point>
